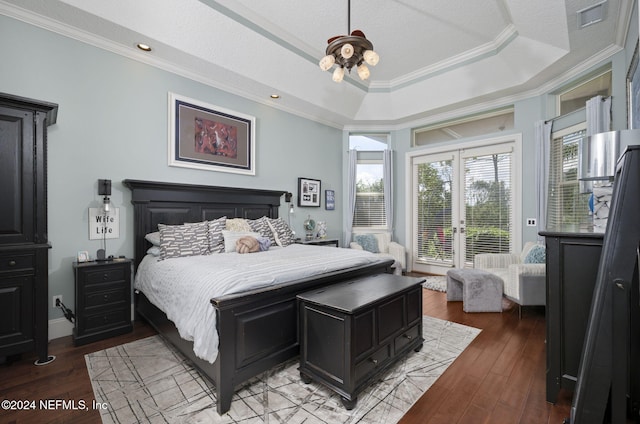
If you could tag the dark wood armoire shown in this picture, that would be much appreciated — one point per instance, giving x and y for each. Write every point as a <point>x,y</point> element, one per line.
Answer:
<point>24,243</point>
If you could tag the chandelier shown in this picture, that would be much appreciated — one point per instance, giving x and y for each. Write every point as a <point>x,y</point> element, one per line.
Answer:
<point>348,51</point>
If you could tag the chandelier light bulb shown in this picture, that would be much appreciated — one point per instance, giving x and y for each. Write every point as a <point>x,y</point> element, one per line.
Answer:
<point>347,51</point>
<point>327,62</point>
<point>371,57</point>
<point>338,74</point>
<point>363,71</point>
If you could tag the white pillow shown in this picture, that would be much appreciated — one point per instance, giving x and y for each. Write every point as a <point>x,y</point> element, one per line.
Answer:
<point>230,238</point>
<point>153,238</point>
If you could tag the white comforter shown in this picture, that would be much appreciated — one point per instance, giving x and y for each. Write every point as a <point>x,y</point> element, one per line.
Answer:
<point>182,287</point>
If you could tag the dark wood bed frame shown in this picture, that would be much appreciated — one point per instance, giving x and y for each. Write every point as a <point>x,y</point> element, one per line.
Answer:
<point>256,329</point>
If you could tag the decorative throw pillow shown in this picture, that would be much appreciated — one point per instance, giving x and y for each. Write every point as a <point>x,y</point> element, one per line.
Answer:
<point>261,225</point>
<point>284,236</point>
<point>154,251</point>
<point>231,237</point>
<point>247,244</point>
<point>216,240</point>
<point>369,242</point>
<point>153,238</point>
<point>183,240</point>
<point>537,255</point>
<point>238,224</point>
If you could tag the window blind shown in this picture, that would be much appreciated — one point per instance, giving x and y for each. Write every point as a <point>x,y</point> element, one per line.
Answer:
<point>566,205</point>
<point>488,203</point>
<point>435,232</point>
<point>369,210</point>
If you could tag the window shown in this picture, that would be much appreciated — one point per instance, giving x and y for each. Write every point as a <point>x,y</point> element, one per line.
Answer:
<point>566,204</point>
<point>369,211</point>
<point>576,97</point>
<point>485,123</point>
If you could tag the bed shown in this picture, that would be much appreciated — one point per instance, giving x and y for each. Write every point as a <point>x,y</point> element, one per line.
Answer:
<point>256,329</point>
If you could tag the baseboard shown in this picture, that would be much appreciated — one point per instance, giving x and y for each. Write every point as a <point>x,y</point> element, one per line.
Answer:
<point>59,327</point>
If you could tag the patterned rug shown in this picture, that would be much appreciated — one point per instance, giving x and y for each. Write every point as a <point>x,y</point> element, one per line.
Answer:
<point>435,282</point>
<point>146,381</point>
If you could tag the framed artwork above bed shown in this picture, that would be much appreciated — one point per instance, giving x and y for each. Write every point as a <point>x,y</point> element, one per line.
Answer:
<point>209,137</point>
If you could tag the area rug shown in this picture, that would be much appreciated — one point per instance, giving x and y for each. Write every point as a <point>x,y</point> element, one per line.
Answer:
<point>147,381</point>
<point>435,282</point>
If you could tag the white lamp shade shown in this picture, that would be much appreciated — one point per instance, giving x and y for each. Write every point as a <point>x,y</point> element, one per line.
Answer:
<point>327,62</point>
<point>346,51</point>
<point>363,71</point>
<point>338,74</point>
<point>371,57</point>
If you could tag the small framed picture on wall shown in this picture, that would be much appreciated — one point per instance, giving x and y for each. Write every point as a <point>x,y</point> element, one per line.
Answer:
<point>308,192</point>
<point>329,200</point>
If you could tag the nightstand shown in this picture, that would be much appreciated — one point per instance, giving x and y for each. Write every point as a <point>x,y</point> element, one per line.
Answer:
<point>320,242</point>
<point>103,300</point>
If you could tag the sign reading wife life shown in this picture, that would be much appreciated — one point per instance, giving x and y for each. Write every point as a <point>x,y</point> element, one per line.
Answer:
<point>104,225</point>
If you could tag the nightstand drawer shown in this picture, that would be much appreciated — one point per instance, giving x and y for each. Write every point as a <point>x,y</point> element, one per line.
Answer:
<point>104,275</point>
<point>17,262</point>
<point>106,319</point>
<point>105,286</point>
<point>105,298</point>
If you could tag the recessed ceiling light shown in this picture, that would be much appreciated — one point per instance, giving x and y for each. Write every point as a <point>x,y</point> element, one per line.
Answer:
<point>144,47</point>
<point>275,96</point>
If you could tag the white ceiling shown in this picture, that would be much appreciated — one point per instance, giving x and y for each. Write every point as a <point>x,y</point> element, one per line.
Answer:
<point>436,56</point>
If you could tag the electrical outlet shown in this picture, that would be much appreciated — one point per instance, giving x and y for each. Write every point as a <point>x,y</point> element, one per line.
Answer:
<point>56,297</point>
<point>531,222</point>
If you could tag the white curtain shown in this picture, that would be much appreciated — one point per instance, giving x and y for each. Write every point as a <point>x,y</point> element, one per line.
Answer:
<point>351,186</point>
<point>387,164</point>
<point>542,136</point>
<point>598,115</point>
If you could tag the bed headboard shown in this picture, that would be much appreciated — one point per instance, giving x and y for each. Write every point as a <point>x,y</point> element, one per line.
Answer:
<point>171,203</point>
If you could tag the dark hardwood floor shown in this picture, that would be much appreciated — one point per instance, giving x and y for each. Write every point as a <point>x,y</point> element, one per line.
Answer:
<point>499,378</point>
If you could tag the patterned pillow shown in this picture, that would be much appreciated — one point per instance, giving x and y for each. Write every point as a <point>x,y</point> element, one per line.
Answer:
<point>238,224</point>
<point>281,231</point>
<point>537,255</point>
<point>231,237</point>
<point>183,240</point>
<point>369,242</point>
<point>261,225</point>
<point>216,240</point>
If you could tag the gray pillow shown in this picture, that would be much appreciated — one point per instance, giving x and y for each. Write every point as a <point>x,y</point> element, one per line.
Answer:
<point>216,240</point>
<point>183,240</point>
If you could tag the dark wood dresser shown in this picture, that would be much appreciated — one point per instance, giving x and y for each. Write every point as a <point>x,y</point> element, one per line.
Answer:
<point>24,243</point>
<point>103,300</point>
<point>573,258</point>
<point>352,331</point>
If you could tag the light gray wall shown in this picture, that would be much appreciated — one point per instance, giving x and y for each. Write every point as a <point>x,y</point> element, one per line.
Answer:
<point>112,123</point>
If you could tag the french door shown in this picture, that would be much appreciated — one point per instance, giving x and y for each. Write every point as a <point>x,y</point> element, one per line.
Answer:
<point>462,205</point>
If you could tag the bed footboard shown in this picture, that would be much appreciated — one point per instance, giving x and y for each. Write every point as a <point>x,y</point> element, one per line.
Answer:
<point>256,330</point>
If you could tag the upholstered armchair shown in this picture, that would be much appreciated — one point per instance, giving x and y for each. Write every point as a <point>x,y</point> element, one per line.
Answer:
<point>523,273</point>
<point>381,244</point>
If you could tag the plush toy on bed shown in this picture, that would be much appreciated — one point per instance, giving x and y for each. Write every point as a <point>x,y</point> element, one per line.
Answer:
<point>248,244</point>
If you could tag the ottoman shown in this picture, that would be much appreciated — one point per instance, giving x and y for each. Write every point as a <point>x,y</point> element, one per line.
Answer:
<point>480,291</point>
